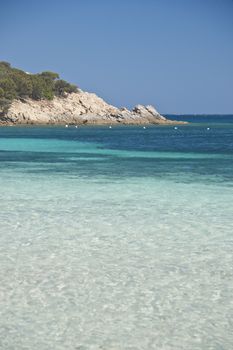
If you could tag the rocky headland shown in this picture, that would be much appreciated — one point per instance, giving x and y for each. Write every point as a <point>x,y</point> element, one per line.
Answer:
<point>78,108</point>
<point>44,98</point>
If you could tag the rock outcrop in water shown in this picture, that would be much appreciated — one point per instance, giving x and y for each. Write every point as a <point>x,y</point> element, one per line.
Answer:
<point>78,108</point>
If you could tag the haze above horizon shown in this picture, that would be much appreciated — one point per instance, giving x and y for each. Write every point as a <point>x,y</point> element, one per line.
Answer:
<point>174,54</point>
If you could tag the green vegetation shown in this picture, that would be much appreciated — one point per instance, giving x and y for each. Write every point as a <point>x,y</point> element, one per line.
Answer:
<point>15,83</point>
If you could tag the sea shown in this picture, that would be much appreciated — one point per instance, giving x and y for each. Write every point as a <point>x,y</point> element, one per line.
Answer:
<point>117,238</point>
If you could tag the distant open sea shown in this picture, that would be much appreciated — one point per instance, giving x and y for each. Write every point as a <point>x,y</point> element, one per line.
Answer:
<point>117,238</point>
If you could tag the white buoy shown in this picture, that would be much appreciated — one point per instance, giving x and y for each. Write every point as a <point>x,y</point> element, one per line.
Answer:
<point>110,127</point>
<point>144,127</point>
<point>76,126</point>
<point>208,128</point>
<point>66,126</point>
<point>175,128</point>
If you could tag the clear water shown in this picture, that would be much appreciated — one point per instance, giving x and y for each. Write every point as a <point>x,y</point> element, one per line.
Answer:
<point>117,238</point>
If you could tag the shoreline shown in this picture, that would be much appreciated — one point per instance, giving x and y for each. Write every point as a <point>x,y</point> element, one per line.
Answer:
<point>81,124</point>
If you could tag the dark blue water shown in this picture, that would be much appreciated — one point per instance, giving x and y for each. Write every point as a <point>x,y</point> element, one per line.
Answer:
<point>204,118</point>
<point>199,151</point>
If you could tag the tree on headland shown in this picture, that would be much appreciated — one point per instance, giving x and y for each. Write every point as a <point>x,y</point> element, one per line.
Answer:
<point>15,83</point>
<point>50,75</point>
<point>23,83</point>
<point>61,87</point>
<point>5,64</point>
<point>9,88</point>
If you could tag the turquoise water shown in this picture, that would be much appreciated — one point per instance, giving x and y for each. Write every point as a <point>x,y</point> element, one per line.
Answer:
<point>117,238</point>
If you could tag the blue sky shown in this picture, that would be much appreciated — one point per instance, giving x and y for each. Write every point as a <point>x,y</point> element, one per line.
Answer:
<point>174,54</point>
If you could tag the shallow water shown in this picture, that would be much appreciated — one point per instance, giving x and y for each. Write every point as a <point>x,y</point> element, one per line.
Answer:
<point>117,238</point>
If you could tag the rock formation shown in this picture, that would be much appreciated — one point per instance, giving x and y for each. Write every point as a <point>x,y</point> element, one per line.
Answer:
<point>78,108</point>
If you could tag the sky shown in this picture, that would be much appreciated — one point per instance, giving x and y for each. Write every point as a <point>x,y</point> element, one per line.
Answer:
<point>174,54</point>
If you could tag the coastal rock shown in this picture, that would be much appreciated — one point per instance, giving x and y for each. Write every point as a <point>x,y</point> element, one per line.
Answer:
<point>148,112</point>
<point>79,108</point>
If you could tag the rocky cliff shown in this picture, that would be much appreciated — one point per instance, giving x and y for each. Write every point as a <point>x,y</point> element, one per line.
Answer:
<point>78,108</point>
